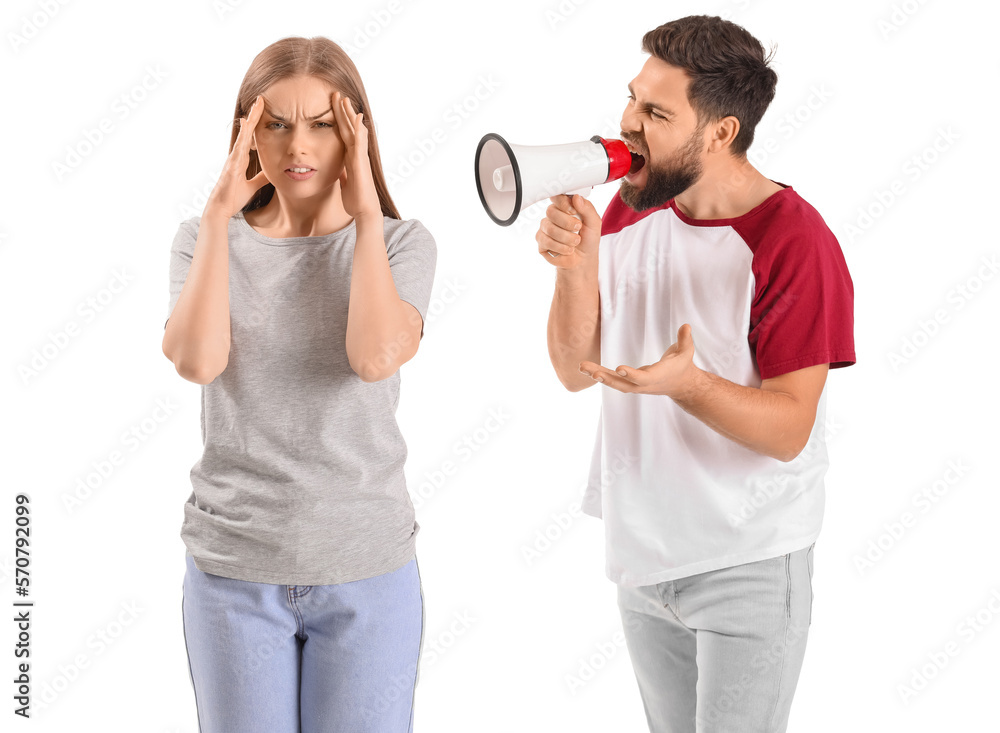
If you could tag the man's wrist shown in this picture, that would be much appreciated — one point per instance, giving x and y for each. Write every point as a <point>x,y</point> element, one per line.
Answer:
<point>690,386</point>
<point>577,278</point>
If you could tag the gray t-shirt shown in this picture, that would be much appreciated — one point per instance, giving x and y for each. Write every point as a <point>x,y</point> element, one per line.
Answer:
<point>301,480</point>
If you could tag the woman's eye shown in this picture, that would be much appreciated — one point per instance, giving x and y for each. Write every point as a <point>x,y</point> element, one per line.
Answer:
<point>276,125</point>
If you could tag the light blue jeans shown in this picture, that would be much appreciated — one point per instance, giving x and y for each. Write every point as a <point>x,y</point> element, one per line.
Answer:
<point>304,659</point>
<point>720,652</point>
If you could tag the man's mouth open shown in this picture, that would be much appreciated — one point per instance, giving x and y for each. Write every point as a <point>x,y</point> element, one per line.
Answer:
<point>638,161</point>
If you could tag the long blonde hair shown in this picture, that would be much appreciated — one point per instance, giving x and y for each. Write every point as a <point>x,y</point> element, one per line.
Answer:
<point>322,58</point>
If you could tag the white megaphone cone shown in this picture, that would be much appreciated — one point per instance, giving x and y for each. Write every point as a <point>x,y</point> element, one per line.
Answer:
<point>510,178</point>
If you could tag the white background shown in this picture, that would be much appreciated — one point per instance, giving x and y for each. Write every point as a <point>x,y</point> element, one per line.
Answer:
<point>863,88</point>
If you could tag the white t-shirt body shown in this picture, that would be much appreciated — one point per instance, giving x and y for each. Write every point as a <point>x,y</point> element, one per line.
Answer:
<point>765,293</point>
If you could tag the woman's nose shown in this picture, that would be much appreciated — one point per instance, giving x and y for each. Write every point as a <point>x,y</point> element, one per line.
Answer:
<point>297,141</point>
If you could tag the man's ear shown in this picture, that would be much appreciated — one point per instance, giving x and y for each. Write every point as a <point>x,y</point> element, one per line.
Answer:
<point>725,133</point>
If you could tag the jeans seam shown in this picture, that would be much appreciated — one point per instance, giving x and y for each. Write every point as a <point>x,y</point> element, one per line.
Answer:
<point>788,585</point>
<point>781,669</point>
<point>300,627</point>
<point>809,557</point>
<point>187,651</point>
<point>423,617</point>
<point>420,646</point>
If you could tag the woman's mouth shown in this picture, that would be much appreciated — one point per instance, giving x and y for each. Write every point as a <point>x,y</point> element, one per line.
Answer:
<point>299,173</point>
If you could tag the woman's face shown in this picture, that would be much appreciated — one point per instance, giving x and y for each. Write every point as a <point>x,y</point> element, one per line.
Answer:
<point>297,129</point>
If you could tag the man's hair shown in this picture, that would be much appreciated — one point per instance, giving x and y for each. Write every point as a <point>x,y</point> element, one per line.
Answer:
<point>728,71</point>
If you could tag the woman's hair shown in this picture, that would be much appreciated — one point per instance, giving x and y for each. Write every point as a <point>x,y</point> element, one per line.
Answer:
<point>322,58</point>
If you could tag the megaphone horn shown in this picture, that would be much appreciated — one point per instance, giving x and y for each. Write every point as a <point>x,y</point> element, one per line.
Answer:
<point>510,178</point>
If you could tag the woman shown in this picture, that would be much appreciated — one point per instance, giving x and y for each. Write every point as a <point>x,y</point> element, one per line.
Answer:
<point>294,299</point>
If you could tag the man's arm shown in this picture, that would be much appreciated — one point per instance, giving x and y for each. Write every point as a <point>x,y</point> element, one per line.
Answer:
<point>774,419</point>
<point>570,244</point>
<point>574,329</point>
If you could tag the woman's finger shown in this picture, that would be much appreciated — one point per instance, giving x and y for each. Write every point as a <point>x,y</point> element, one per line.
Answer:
<point>360,131</point>
<point>256,110</point>
<point>247,125</point>
<point>343,121</point>
<point>351,119</point>
<point>337,118</point>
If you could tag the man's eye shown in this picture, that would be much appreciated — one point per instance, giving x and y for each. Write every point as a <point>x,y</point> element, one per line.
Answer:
<point>653,113</point>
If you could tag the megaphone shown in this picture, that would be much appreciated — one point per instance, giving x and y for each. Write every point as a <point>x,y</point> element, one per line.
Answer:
<point>510,178</point>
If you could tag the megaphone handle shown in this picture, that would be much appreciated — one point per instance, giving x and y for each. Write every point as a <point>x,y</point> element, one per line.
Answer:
<point>583,192</point>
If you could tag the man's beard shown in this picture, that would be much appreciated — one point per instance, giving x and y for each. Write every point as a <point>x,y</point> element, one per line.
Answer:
<point>664,183</point>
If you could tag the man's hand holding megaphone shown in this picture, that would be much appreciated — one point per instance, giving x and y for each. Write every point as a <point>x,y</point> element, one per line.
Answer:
<point>570,233</point>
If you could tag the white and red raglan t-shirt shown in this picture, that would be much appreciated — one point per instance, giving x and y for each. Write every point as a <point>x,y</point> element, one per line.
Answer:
<point>766,293</point>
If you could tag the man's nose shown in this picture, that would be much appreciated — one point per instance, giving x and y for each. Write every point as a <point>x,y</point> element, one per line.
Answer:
<point>629,123</point>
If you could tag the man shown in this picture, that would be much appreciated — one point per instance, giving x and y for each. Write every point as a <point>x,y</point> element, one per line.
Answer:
<point>710,303</point>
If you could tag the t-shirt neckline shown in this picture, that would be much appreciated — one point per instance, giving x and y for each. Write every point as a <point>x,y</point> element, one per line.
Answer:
<point>774,197</point>
<point>313,239</point>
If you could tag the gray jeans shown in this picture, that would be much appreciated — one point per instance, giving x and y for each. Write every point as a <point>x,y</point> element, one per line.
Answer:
<point>720,652</point>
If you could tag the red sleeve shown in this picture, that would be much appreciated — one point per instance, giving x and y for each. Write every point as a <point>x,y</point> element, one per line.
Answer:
<point>803,308</point>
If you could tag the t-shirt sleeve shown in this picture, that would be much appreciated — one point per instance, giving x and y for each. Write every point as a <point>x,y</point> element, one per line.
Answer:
<point>803,308</point>
<point>412,256</point>
<point>181,254</point>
